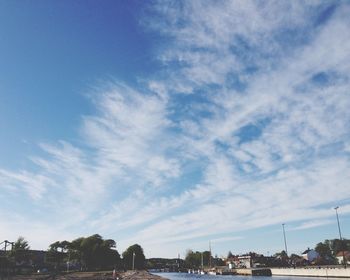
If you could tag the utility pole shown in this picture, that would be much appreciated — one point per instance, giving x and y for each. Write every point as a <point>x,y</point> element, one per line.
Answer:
<point>341,239</point>
<point>133,261</point>
<point>209,254</point>
<point>285,242</point>
<point>8,243</point>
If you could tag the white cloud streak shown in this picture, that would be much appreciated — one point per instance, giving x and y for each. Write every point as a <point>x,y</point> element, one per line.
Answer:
<point>156,171</point>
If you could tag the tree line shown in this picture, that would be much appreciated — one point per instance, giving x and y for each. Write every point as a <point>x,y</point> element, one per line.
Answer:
<point>201,259</point>
<point>84,253</point>
<point>327,251</point>
<point>95,253</point>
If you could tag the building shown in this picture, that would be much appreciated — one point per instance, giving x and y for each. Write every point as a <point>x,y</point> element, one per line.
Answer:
<point>245,261</point>
<point>310,255</point>
<point>340,255</point>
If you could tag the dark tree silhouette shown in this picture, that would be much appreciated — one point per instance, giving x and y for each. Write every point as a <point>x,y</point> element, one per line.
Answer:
<point>92,252</point>
<point>139,260</point>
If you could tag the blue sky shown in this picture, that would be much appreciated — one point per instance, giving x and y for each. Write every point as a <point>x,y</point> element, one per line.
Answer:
<point>172,124</point>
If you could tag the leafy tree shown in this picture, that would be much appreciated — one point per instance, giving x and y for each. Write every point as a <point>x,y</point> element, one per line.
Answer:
<point>338,245</point>
<point>281,258</point>
<point>75,250</point>
<point>55,254</point>
<point>106,255</point>
<point>65,245</point>
<point>194,259</point>
<point>89,247</point>
<point>54,246</point>
<point>282,255</point>
<point>95,252</point>
<point>21,244</point>
<point>296,260</point>
<point>324,250</point>
<point>295,257</point>
<point>229,255</point>
<point>20,250</point>
<point>92,252</point>
<point>139,260</point>
<point>329,248</point>
<point>206,257</point>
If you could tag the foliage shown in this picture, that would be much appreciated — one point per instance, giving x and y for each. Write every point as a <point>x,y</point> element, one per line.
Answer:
<point>332,247</point>
<point>282,255</point>
<point>338,245</point>
<point>57,253</point>
<point>21,244</point>
<point>281,258</point>
<point>328,249</point>
<point>218,261</point>
<point>194,259</point>
<point>75,250</point>
<point>324,249</point>
<point>91,252</point>
<point>295,257</point>
<point>20,250</point>
<point>95,252</point>
<point>139,260</point>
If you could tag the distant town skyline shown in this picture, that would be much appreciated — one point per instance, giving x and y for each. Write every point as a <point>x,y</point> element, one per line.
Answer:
<point>173,124</point>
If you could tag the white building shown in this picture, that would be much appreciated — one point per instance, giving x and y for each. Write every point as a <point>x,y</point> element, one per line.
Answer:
<point>340,257</point>
<point>245,261</point>
<point>310,255</point>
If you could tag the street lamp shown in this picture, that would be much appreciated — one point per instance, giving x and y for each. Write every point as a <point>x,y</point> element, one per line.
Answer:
<point>133,260</point>
<point>341,240</point>
<point>285,242</point>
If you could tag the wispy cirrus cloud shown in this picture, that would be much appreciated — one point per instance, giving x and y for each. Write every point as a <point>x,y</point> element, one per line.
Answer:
<point>294,97</point>
<point>35,185</point>
<point>313,224</point>
<point>117,160</point>
<point>247,127</point>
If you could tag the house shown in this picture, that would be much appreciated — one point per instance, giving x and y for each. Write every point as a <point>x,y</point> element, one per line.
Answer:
<point>310,255</point>
<point>249,260</point>
<point>340,257</point>
<point>232,262</point>
<point>245,261</point>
